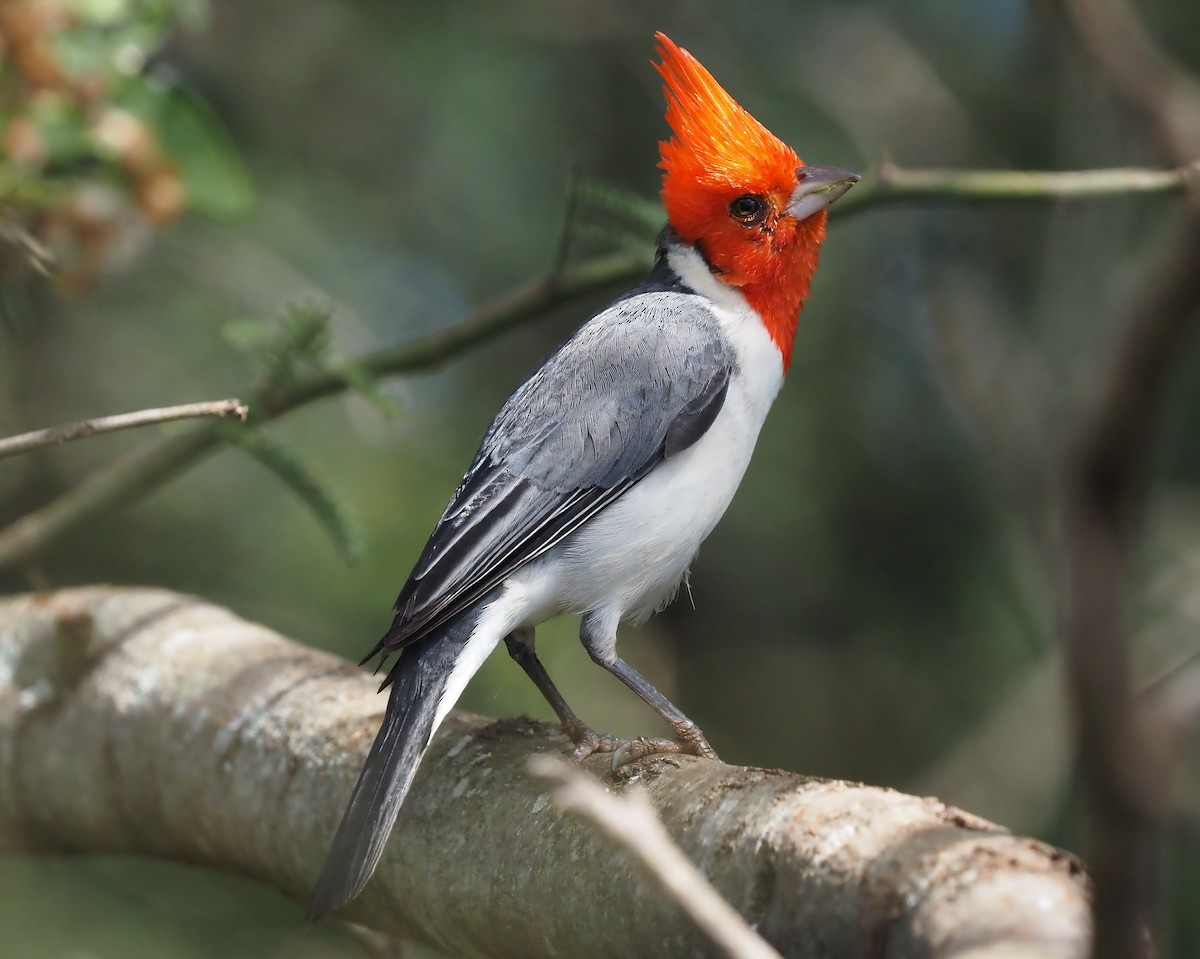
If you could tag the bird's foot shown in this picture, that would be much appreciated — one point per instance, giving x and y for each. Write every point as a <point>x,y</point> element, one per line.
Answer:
<point>689,740</point>
<point>587,741</point>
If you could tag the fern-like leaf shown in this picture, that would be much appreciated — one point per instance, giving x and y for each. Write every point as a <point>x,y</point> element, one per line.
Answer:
<point>302,337</point>
<point>367,385</point>
<point>641,217</point>
<point>617,238</point>
<point>301,479</point>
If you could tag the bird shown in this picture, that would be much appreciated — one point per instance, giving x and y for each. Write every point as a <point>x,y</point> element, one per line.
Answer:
<point>606,469</point>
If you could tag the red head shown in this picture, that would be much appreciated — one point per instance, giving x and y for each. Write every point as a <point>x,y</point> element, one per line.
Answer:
<point>741,195</point>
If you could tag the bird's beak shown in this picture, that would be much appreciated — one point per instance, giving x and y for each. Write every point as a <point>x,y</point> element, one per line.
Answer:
<point>819,186</point>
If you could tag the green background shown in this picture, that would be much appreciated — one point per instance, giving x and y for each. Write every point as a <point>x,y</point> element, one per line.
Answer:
<point>880,601</point>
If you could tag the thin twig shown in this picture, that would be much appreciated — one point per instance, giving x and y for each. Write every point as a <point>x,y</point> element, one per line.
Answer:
<point>65,433</point>
<point>527,302</point>
<point>632,823</point>
<point>147,468</point>
<point>144,470</point>
<point>891,184</point>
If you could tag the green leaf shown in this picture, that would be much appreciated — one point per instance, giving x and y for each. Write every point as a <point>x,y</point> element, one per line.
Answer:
<point>22,188</point>
<point>17,311</point>
<point>366,384</point>
<point>618,238</point>
<point>214,178</point>
<point>110,36</point>
<point>642,217</point>
<point>302,336</point>
<point>250,335</point>
<point>102,12</point>
<point>61,126</point>
<point>300,478</point>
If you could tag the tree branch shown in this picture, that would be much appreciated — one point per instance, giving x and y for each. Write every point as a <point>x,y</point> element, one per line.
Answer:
<point>145,469</point>
<point>528,301</point>
<point>141,721</point>
<point>126,479</point>
<point>888,184</point>
<point>55,435</point>
<point>1106,485</point>
<point>632,823</point>
<point>1112,35</point>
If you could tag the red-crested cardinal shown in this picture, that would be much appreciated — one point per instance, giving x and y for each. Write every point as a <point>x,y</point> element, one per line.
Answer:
<point>604,472</point>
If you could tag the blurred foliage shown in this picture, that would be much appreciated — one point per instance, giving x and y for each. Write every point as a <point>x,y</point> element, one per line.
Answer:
<point>99,145</point>
<point>300,338</point>
<point>880,601</point>
<point>612,216</point>
<point>300,342</point>
<point>301,477</point>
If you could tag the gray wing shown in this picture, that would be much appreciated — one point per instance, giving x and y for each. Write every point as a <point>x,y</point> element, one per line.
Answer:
<point>639,383</point>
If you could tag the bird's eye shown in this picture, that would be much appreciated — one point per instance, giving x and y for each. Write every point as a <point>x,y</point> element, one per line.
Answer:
<point>748,209</point>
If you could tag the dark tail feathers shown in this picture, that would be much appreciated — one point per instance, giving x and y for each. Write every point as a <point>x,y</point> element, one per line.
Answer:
<point>417,682</point>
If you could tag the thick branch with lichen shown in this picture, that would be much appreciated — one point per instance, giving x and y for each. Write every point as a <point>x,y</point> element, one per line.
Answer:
<point>142,471</point>
<point>144,722</point>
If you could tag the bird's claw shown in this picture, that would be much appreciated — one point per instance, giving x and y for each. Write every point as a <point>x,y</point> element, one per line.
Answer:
<point>587,741</point>
<point>594,743</point>
<point>690,740</point>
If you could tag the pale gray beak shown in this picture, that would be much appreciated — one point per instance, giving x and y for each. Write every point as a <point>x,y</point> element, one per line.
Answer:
<point>819,186</point>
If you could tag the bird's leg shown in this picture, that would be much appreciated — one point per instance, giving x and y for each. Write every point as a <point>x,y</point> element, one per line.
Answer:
<point>587,741</point>
<point>599,639</point>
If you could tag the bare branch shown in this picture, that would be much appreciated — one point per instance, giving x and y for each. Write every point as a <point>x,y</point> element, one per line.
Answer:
<point>889,184</point>
<point>1110,32</point>
<point>55,435</point>
<point>141,721</point>
<point>1106,484</point>
<point>632,823</point>
<point>144,470</point>
<point>528,301</point>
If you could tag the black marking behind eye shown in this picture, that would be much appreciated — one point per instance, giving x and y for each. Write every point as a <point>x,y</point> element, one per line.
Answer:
<point>700,248</point>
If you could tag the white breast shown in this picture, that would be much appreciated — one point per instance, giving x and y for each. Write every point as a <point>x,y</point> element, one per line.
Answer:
<point>630,559</point>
